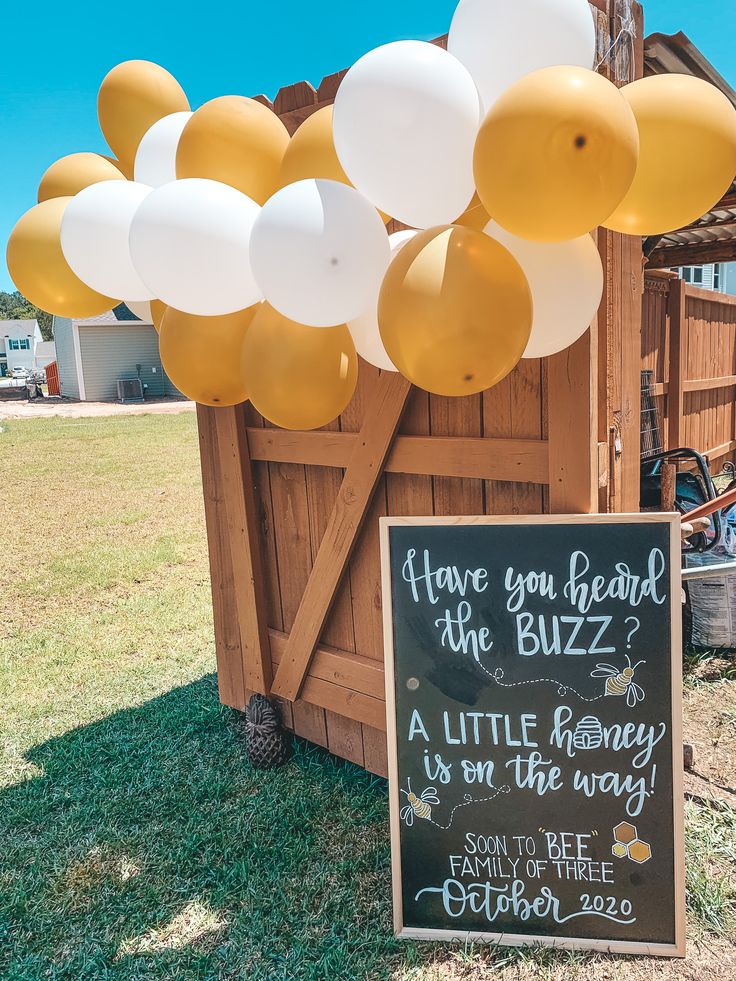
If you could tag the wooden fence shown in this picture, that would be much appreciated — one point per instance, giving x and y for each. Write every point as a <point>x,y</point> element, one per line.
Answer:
<point>689,345</point>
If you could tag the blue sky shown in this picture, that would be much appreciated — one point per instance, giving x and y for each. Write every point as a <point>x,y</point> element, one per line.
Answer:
<point>55,56</point>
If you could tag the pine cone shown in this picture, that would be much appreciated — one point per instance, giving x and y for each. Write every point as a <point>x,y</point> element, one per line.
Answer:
<point>265,740</point>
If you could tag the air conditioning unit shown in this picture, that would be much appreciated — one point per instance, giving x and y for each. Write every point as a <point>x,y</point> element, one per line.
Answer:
<point>130,390</point>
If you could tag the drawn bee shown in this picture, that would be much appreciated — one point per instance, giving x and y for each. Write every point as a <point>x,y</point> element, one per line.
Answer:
<point>419,806</point>
<point>621,682</point>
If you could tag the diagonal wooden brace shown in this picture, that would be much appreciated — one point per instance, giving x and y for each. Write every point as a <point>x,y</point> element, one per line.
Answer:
<point>361,476</point>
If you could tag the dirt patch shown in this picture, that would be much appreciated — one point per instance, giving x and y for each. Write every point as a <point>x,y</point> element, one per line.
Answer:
<point>71,409</point>
<point>710,725</point>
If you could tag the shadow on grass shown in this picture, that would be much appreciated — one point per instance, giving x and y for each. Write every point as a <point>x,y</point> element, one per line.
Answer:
<point>148,847</point>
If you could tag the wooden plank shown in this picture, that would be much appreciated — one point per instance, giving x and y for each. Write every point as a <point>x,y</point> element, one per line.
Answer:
<point>456,417</point>
<point>526,423</point>
<point>517,460</point>
<point>573,454</point>
<point>709,297</point>
<point>344,668</point>
<point>293,549</point>
<point>375,751</point>
<point>355,495</point>
<point>264,520</point>
<point>708,384</point>
<point>364,580</point>
<point>693,255</point>
<point>675,393</point>
<point>497,423</point>
<point>236,481</point>
<point>230,679</point>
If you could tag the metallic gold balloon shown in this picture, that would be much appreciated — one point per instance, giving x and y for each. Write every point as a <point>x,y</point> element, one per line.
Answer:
<point>687,161</point>
<point>475,216</point>
<point>71,174</point>
<point>236,141</point>
<point>39,270</point>
<point>298,377</point>
<point>201,355</point>
<point>556,154</point>
<point>133,96</point>
<point>455,311</point>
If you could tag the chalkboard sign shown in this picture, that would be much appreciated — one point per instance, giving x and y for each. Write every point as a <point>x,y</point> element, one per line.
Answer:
<point>533,690</point>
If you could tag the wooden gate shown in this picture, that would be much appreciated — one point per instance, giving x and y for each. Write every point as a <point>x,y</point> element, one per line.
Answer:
<point>292,517</point>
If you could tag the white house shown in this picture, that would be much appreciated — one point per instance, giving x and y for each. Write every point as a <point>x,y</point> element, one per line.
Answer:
<point>19,342</point>
<point>718,276</point>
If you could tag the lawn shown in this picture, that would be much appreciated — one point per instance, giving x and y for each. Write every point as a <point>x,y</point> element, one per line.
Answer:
<point>138,843</point>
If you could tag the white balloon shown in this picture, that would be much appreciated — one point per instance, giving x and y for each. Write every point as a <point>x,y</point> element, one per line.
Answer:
<point>405,121</point>
<point>566,282</point>
<point>142,310</point>
<point>190,242</point>
<point>500,41</point>
<point>94,238</point>
<point>364,329</point>
<point>319,252</point>
<point>155,158</point>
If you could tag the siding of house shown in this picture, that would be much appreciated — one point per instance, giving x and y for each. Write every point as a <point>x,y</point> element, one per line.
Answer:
<point>65,359</point>
<point>112,352</point>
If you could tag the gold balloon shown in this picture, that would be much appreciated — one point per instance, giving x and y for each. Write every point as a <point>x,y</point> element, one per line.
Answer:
<point>71,174</point>
<point>133,96</point>
<point>475,216</point>
<point>201,355</point>
<point>298,377</point>
<point>311,154</point>
<point>158,309</point>
<point>39,270</point>
<point>687,161</point>
<point>556,154</point>
<point>126,169</point>
<point>455,311</point>
<point>236,141</point>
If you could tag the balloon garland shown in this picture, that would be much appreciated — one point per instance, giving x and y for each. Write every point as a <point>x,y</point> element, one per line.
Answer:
<point>501,154</point>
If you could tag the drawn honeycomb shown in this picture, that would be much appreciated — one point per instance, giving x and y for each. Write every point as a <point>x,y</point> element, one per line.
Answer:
<point>627,844</point>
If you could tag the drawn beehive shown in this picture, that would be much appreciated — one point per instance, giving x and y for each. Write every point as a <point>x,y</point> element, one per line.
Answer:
<point>588,733</point>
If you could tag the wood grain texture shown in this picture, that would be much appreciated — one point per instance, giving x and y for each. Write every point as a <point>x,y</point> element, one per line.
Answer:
<point>236,481</point>
<point>355,495</point>
<point>521,460</point>
<point>230,677</point>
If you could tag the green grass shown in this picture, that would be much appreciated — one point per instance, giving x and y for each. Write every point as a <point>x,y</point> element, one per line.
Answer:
<point>137,841</point>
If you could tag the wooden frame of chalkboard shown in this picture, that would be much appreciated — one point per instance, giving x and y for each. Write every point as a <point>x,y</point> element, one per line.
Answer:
<point>674,893</point>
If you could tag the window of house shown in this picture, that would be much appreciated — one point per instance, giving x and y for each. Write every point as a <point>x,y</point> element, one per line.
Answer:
<point>716,277</point>
<point>692,274</point>
<point>14,345</point>
<point>25,344</point>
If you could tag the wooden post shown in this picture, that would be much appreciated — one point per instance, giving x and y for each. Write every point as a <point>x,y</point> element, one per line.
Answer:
<point>230,677</point>
<point>676,385</point>
<point>572,423</point>
<point>245,548</point>
<point>669,486</point>
<point>622,301</point>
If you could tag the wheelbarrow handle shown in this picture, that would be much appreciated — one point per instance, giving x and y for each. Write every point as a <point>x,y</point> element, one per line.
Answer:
<point>710,507</point>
